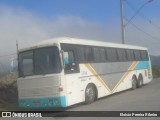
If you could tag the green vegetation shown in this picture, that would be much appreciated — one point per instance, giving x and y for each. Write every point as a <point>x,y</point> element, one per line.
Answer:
<point>8,92</point>
<point>155,71</point>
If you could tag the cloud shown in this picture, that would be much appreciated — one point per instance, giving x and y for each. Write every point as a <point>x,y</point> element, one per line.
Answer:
<point>144,34</point>
<point>27,28</point>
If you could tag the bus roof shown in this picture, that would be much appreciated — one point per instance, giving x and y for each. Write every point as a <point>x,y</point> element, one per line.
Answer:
<point>68,40</point>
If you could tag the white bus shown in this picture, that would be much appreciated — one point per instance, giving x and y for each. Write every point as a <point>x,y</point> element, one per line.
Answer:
<point>61,72</point>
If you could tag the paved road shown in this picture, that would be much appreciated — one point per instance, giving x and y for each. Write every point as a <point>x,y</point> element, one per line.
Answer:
<point>146,98</point>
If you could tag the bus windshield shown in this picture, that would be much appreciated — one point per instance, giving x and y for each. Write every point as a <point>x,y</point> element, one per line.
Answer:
<point>39,61</point>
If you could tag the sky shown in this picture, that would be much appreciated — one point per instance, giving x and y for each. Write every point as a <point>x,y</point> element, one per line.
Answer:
<point>29,21</point>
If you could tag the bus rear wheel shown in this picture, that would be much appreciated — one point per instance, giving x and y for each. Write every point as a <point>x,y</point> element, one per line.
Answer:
<point>140,81</point>
<point>134,83</point>
<point>90,94</point>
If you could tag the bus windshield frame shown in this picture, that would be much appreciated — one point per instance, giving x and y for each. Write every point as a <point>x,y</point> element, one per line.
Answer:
<point>40,61</point>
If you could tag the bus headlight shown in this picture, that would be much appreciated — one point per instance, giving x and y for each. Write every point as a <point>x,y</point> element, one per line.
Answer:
<point>22,102</point>
<point>51,101</point>
<point>54,101</point>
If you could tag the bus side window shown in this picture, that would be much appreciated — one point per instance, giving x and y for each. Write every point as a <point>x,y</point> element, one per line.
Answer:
<point>69,60</point>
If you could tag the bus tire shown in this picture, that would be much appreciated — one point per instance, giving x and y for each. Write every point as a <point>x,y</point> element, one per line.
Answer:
<point>90,94</point>
<point>134,82</point>
<point>140,81</point>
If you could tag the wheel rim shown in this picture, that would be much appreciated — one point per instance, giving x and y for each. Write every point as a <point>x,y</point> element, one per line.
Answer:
<point>134,83</point>
<point>90,94</point>
<point>140,82</point>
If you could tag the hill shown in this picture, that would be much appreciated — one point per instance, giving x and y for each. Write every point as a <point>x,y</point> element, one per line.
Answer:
<point>155,60</point>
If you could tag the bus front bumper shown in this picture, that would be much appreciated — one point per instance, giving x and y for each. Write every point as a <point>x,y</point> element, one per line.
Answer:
<point>48,102</point>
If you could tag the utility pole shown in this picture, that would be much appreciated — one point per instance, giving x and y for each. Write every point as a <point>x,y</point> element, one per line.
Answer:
<point>17,46</point>
<point>122,22</point>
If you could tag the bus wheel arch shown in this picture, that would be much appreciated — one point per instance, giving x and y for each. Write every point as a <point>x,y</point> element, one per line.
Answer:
<point>91,93</point>
<point>140,81</point>
<point>134,82</point>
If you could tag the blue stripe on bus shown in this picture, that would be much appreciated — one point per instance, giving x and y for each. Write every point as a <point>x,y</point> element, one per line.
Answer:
<point>142,65</point>
<point>48,102</point>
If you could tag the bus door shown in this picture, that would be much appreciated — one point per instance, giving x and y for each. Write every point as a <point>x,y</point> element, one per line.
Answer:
<point>71,69</point>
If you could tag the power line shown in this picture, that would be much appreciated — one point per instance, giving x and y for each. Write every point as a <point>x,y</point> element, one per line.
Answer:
<point>8,55</point>
<point>154,43</point>
<point>148,20</point>
<point>151,36</point>
<point>141,15</point>
<point>138,11</point>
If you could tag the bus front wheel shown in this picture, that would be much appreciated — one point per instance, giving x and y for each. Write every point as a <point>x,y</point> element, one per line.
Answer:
<point>90,94</point>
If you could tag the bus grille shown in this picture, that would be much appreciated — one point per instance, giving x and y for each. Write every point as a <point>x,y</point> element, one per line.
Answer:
<point>35,92</point>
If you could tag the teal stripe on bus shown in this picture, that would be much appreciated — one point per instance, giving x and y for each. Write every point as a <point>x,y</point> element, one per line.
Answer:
<point>46,102</point>
<point>142,65</point>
